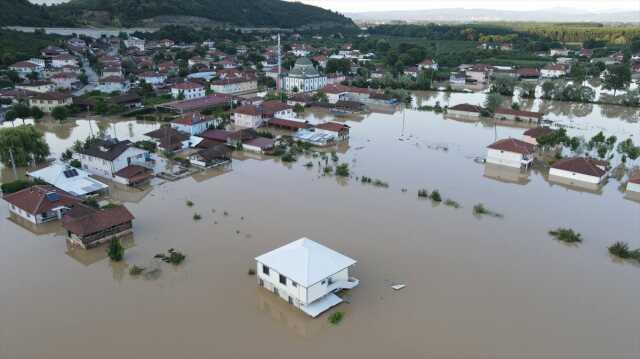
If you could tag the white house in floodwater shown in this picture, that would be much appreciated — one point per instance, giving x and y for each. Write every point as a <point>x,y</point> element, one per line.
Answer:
<point>306,274</point>
<point>511,152</point>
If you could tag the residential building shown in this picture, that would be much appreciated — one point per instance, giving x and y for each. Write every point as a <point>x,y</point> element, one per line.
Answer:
<point>303,77</point>
<point>479,73</point>
<point>504,113</point>
<point>253,116</point>
<point>465,110</point>
<point>531,135</point>
<point>64,80</point>
<point>168,138</point>
<point>106,157</point>
<point>155,79</point>
<point>582,169</point>
<point>188,91</point>
<point>40,204</point>
<point>511,152</point>
<point>24,68</point>
<point>554,71</point>
<point>428,64</point>
<point>306,274</point>
<point>39,86</point>
<point>46,102</point>
<point>112,84</point>
<point>88,227</point>
<point>457,78</point>
<point>193,123</point>
<point>258,145</point>
<point>133,175</point>
<point>339,130</point>
<point>633,184</point>
<point>71,180</point>
<point>559,52</point>
<point>235,86</point>
<point>211,157</point>
<point>134,42</point>
<point>63,60</point>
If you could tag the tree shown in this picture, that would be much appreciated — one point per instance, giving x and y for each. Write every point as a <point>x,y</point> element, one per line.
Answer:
<point>425,79</point>
<point>548,89</point>
<point>60,113</point>
<point>503,85</point>
<point>84,79</point>
<point>527,89</point>
<point>617,77</point>
<point>320,96</point>
<point>26,143</point>
<point>578,74</point>
<point>492,102</point>
<point>36,113</point>
<point>115,251</point>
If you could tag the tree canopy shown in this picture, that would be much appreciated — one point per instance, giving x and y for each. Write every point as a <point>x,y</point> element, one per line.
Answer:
<point>26,142</point>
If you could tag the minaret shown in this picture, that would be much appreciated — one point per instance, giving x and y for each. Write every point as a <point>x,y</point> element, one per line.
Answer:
<point>278,85</point>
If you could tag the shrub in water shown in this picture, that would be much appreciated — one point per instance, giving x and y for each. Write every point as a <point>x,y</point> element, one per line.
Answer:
<point>451,203</point>
<point>566,235</point>
<point>435,196</point>
<point>136,270</point>
<point>115,251</point>
<point>189,204</point>
<point>342,170</point>
<point>336,318</point>
<point>423,193</point>
<point>197,217</point>
<point>174,257</point>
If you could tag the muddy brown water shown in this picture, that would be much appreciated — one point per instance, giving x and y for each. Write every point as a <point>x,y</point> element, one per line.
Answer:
<point>476,287</point>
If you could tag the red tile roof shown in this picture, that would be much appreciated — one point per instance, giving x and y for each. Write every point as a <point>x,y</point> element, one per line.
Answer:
<point>133,171</point>
<point>583,165</point>
<point>190,119</point>
<point>508,111</point>
<point>538,131</point>
<point>38,199</point>
<point>465,107</point>
<point>82,222</point>
<point>186,86</point>
<point>332,126</point>
<point>513,145</point>
<point>635,178</point>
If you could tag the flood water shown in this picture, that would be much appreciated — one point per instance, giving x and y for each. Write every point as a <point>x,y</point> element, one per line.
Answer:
<point>476,287</point>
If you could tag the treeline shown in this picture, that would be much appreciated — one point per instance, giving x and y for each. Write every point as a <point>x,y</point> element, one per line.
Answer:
<point>267,13</point>
<point>579,33</point>
<point>440,32</point>
<point>17,46</point>
<point>24,13</point>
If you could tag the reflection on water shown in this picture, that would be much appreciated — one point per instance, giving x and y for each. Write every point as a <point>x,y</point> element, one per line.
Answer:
<point>506,174</point>
<point>468,280</point>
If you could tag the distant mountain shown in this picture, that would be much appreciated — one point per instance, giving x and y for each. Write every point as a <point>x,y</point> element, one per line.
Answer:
<point>469,15</point>
<point>251,13</point>
<point>18,12</point>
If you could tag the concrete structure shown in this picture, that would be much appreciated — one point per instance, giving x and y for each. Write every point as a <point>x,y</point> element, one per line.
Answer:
<point>511,152</point>
<point>306,274</point>
<point>303,77</point>
<point>40,204</point>
<point>581,169</point>
<point>189,90</point>
<point>46,102</point>
<point>106,157</point>
<point>193,123</point>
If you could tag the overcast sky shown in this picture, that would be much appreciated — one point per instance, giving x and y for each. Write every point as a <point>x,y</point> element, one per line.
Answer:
<point>386,5</point>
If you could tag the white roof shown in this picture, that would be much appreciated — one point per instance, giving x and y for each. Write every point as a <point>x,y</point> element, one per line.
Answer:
<point>305,261</point>
<point>72,180</point>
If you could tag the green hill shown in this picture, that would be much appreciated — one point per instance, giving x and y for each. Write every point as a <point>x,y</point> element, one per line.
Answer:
<point>251,13</point>
<point>23,13</point>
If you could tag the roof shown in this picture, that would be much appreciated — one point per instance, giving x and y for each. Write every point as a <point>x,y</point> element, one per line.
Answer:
<point>306,262</point>
<point>82,221</point>
<point>303,68</point>
<point>508,111</point>
<point>465,107</point>
<point>216,135</point>
<point>132,171</point>
<point>71,180</point>
<point>266,109</point>
<point>40,199</point>
<point>52,96</point>
<point>513,145</point>
<point>583,165</point>
<point>107,149</point>
<point>190,119</point>
<point>187,86</point>
<point>214,152</point>
<point>635,178</point>
<point>338,88</point>
<point>260,142</point>
<point>169,137</point>
<point>291,124</point>
<point>537,132</point>
<point>212,100</point>
<point>332,126</point>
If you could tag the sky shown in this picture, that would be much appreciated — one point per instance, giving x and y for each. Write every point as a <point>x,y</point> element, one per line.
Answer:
<point>524,5</point>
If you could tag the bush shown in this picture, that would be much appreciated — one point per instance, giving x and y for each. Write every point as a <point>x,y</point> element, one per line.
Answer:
<point>288,157</point>
<point>15,186</point>
<point>197,217</point>
<point>566,235</point>
<point>451,203</point>
<point>189,204</point>
<point>336,318</point>
<point>342,170</point>
<point>435,196</point>
<point>146,145</point>
<point>136,270</point>
<point>423,193</point>
<point>115,251</point>
<point>174,257</point>
<point>251,271</point>
<point>479,210</point>
<point>622,251</point>
<point>91,202</point>
<point>75,164</point>
<point>328,170</point>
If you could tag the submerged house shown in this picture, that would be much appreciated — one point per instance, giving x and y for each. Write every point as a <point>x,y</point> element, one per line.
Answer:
<point>71,180</point>
<point>511,152</point>
<point>106,157</point>
<point>87,227</point>
<point>212,156</point>
<point>633,185</point>
<point>306,274</point>
<point>41,203</point>
<point>531,135</point>
<point>582,169</point>
<point>465,110</point>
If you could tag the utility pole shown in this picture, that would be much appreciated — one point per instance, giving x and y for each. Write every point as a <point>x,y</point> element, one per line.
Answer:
<point>278,84</point>
<point>13,164</point>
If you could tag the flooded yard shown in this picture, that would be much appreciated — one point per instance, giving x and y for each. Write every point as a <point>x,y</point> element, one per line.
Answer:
<point>477,287</point>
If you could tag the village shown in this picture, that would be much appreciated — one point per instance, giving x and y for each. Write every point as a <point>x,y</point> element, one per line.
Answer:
<point>211,116</point>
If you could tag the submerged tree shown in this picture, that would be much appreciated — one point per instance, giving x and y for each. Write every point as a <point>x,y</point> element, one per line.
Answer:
<point>25,143</point>
<point>115,251</point>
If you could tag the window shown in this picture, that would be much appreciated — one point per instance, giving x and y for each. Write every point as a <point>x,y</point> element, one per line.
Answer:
<point>265,269</point>
<point>283,279</point>
<point>294,284</point>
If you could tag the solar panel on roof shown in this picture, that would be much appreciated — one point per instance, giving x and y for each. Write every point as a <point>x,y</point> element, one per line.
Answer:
<point>70,173</point>
<point>52,197</point>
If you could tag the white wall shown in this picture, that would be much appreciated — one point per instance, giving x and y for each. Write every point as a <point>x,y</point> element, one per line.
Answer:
<point>633,187</point>
<point>504,158</point>
<point>575,176</point>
